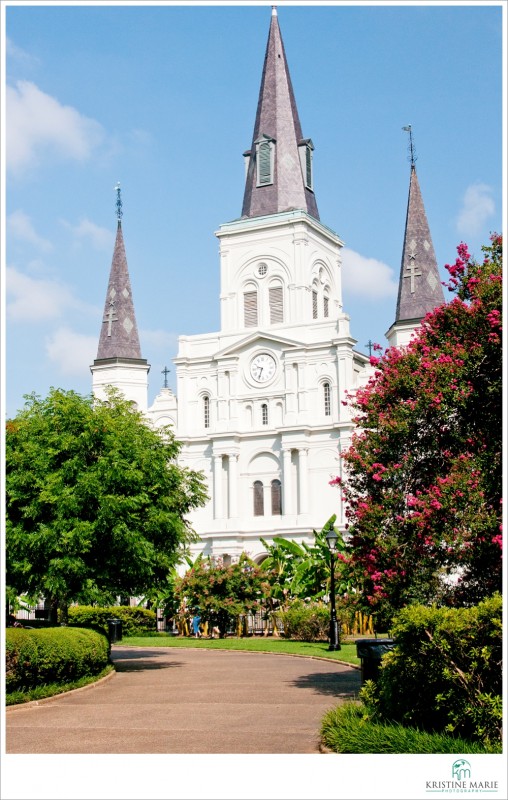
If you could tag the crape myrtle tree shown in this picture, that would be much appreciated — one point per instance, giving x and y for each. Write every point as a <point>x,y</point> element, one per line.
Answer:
<point>95,500</point>
<point>423,474</point>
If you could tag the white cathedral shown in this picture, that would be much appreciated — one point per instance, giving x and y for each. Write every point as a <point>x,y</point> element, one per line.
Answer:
<point>258,404</point>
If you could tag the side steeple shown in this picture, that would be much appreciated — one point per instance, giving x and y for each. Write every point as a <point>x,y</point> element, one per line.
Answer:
<point>119,362</point>
<point>420,288</point>
<point>279,164</point>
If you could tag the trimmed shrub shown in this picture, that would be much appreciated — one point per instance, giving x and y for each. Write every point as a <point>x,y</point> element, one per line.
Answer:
<point>347,729</point>
<point>135,619</point>
<point>52,655</point>
<point>306,622</point>
<point>444,673</point>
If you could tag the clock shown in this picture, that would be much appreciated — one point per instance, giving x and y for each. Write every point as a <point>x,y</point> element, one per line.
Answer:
<point>262,367</point>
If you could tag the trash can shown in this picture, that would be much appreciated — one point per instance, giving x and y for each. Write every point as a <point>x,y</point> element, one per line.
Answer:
<point>370,652</point>
<point>114,630</point>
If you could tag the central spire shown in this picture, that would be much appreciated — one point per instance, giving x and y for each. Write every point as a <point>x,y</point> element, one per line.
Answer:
<point>279,163</point>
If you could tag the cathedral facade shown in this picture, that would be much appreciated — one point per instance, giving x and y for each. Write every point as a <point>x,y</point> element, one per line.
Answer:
<point>259,403</point>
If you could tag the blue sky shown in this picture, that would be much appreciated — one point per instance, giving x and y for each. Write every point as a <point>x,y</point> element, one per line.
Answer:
<point>163,100</point>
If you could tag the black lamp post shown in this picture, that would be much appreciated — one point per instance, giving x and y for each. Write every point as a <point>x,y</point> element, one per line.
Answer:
<point>331,540</point>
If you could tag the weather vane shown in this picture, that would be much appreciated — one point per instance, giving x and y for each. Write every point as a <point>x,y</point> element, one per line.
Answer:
<point>412,152</point>
<point>119,212</point>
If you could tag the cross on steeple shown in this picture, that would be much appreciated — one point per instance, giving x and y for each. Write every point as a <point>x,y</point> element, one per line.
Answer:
<point>412,273</point>
<point>109,316</point>
<point>165,372</point>
<point>370,345</point>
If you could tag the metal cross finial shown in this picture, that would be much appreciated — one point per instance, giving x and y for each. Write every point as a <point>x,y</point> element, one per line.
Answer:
<point>370,345</point>
<point>119,212</point>
<point>412,152</point>
<point>165,372</point>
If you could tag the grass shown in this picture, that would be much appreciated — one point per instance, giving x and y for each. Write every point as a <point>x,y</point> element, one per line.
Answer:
<point>52,689</point>
<point>343,730</point>
<point>256,644</point>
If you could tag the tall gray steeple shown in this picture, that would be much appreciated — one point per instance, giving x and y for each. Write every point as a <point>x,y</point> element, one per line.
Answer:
<point>279,163</point>
<point>119,362</point>
<point>420,288</point>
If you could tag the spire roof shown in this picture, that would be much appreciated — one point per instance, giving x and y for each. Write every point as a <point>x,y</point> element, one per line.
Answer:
<point>420,288</point>
<point>119,332</point>
<point>277,121</point>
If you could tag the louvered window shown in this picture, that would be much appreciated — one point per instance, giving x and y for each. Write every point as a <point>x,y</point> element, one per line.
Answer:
<point>264,414</point>
<point>264,164</point>
<point>259,506</point>
<point>326,305</point>
<point>276,498</point>
<point>206,411</point>
<point>327,399</point>
<point>276,305</point>
<point>250,309</point>
<point>314,304</point>
<point>308,167</point>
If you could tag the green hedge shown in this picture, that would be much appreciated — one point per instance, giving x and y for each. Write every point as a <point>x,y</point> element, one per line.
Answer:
<point>306,622</point>
<point>444,673</point>
<point>52,655</point>
<point>135,620</point>
<point>347,729</point>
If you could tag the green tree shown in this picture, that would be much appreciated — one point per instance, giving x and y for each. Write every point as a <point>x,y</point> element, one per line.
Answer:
<point>95,500</point>
<point>222,593</point>
<point>424,470</point>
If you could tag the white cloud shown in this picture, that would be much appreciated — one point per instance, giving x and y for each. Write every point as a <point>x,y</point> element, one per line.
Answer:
<point>368,277</point>
<point>159,338</point>
<point>18,54</point>
<point>37,299</point>
<point>71,352</point>
<point>477,207</point>
<point>37,123</point>
<point>20,226</point>
<point>101,238</point>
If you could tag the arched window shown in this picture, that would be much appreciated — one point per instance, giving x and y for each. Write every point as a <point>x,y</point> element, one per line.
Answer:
<point>314,301</point>
<point>326,304</point>
<point>276,497</point>
<point>206,411</point>
<point>250,308</point>
<point>259,505</point>
<point>327,399</point>
<point>264,414</point>
<point>265,151</point>
<point>276,303</point>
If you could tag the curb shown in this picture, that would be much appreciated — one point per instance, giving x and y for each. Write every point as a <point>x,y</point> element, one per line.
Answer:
<point>44,700</point>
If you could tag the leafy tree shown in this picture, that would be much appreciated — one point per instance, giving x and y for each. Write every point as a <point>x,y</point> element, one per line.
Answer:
<point>301,570</point>
<point>423,486</point>
<point>95,500</point>
<point>222,593</point>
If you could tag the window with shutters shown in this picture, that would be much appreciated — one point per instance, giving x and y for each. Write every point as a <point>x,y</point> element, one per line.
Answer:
<point>264,414</point>
<point>259,506</point>
<point>314,304</point>
<point>276,497</point>
<point>250,309</point>
<point>276,302</point>
<point>206,411</point>
<point>326,305</point>
<point>305,148</point>
<point>264,161</point>
<point>327,399</point>
<point>308,167</point>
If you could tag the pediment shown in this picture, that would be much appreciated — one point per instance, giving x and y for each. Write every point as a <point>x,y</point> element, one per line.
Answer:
<point>259,339</point>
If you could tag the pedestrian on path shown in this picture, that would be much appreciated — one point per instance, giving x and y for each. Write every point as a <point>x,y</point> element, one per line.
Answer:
<point>196,619</point>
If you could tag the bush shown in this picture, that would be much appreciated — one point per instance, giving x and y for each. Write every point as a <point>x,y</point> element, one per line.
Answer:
<point>444,673</point>
<point>135,620</point>
<point>306,622</point>
<point>347,729</point>
<point>52,655</point>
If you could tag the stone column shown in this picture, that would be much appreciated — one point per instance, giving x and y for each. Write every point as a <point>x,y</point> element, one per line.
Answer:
<point>217,487</point>
<point>303,483</point>
<point>233,485</point>
<point>287,496</point>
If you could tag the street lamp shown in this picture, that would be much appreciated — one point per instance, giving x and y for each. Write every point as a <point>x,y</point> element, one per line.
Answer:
<point>331,540</point>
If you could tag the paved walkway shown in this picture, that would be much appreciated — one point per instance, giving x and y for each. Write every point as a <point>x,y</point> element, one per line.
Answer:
<point>172,700</point>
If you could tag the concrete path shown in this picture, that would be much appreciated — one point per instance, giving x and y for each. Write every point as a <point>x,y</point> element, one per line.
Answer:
<point>172,700</point>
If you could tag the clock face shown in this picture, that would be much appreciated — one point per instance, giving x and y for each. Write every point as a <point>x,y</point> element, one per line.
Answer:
<point>262,367</point>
